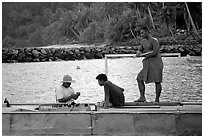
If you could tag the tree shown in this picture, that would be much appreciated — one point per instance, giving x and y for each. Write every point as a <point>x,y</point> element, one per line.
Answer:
<point>192,23</point>
<point>168,17</point>
<point>21,32</point>
<point>35,38</point>
<point>47,14</point>
<point>80,20</point>
<point>144,8</point>
<point>58,14</point>
<point>7,42</point>
<point>26,16</point>
<point>93,21</point>
<point>14,17</point>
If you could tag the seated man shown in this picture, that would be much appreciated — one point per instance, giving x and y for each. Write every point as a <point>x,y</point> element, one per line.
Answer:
<point>113,94</point>
<point>65,93</point>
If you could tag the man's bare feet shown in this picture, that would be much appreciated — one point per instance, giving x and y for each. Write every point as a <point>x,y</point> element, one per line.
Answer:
<point>140,100</point>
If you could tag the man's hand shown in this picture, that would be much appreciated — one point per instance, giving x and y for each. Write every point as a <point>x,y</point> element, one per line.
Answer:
<point>75,96</point>
<point>78,93</point>
<point>138,53</point>
<point>107,104</point>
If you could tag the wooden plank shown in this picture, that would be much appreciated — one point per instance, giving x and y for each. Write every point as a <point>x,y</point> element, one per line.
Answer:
<point>126,104</point>
<point>137,107</point>
<point>43,104</point>
<point>192,103</point>
<point>152,103</point>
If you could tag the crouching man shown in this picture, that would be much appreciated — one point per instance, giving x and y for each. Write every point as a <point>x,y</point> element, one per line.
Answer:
<point>113,94</point>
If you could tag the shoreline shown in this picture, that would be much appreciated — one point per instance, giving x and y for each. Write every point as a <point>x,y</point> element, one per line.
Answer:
<point>84,51</point>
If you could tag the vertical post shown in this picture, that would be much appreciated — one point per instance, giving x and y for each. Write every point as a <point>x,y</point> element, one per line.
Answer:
<point>106,65</point>
<point>179,79</point>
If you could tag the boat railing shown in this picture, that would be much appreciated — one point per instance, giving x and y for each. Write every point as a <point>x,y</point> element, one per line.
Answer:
<point>179,92</point>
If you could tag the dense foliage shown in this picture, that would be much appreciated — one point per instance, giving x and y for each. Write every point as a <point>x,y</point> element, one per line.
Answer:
<point>28,24</point>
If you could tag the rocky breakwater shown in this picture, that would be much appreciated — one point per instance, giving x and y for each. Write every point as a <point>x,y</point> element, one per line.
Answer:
<point>13,55</point>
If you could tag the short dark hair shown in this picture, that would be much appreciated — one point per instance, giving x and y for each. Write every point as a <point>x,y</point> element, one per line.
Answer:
<point>145,28</point>
<point>102,77</point>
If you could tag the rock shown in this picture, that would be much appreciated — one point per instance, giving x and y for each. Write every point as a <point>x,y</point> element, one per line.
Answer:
<point>5,51</point>
<point>82,52</point>
<point>43,52</point>
<point>4,58</point>
<point>13,52</point>
<point>52,50</point>
<point>79,56</point>
<point>59,53</point>
<point>191,53</point>
<point>87,49</point>
<point>66,50</point>
<point>29,59</point>
<point>98,50</point>
<point>28,50</point>
<point>198,51</point>
<point>98,56</point>
<point>70,52</point>
<point>42,60</point>
<point>52,54</point>
<point>36,60</point>
<point>76,51</point>
<point>37,48</point>
<point>181,49</point>
<point>36,53</point>
<point>21,57</point>
<point>88,56</point>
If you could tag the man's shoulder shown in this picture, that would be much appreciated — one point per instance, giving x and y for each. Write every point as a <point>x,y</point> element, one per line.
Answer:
<point>70,88</point>
<point>107,84</point>
<point>110,84</point>
<point>59,88</point>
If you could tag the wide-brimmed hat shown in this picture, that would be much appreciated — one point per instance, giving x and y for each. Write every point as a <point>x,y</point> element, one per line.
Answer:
<point>68,78</point>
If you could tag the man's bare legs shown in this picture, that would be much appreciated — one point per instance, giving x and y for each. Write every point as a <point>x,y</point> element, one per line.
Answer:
<point>158,90</point>
<point>141,86</point>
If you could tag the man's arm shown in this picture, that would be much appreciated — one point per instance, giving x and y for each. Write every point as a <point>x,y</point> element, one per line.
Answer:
<point>73,96</point>
<point>140,49</point>
<point>107,96</point>
<point>155,51</point>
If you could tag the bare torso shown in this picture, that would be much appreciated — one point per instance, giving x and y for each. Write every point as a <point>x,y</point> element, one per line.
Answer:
<point>148,44</point>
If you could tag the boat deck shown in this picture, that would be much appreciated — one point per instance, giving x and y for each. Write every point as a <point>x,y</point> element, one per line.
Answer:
<point>129,120</point>
<point>128,107</point>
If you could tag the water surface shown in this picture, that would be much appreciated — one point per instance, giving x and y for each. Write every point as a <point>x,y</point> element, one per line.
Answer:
<point>36,82</point>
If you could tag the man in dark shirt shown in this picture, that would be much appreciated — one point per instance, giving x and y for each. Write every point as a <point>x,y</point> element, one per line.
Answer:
<point>113,94</point>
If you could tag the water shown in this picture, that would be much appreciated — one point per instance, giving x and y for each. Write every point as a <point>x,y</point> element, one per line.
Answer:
<point>36,82</point>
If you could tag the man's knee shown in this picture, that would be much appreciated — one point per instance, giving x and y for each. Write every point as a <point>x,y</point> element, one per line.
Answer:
<point>140,81</point>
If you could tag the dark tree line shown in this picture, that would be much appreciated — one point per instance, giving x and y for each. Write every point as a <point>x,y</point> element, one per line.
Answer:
<point>26,24</point>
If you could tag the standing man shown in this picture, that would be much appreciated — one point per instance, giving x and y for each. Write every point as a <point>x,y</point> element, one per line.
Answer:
<point>113,94</point>
<point>152,64</point>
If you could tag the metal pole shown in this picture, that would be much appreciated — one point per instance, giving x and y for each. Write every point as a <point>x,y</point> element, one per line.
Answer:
<point>179,79</point>
<point>106,65</point>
